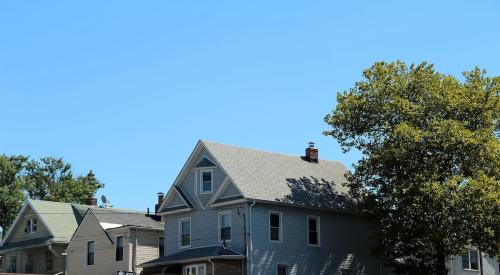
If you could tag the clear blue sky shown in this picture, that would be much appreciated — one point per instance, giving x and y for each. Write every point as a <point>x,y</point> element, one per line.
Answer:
<point>126,88</point>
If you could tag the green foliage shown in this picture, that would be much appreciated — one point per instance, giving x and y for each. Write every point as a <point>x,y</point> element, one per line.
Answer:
<point>45,179</point>
<point>11,189</point>
<point>52,179</point>
<point>430,170</point>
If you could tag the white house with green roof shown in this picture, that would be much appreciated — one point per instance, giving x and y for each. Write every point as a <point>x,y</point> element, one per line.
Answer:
<point>36,240</point>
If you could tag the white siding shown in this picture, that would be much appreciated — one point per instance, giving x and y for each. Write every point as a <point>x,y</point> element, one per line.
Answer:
<point>104,259</point>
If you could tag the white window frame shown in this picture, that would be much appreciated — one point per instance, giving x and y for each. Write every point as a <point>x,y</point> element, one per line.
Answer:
<point>116,247</point>
<point>478,260</point>
<point>184,269</point>
<point>220,224</point>
<point>87,253</point>
<point>200,175</point>
<point>318,230</point>
<point>180,233</point>
<point>285,264</point>
<point>280,234</point>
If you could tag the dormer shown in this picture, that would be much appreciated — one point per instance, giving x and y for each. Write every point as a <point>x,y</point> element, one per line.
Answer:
<point>205,176</point>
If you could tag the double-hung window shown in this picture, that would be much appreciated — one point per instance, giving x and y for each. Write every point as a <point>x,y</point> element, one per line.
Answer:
<point>282,269</point>
<point>119,249</point>
<point>470,260</point>
<point>198,269</point>
<point>13,264</point>
<point>50,261</point>
<point>161,247</point>
<point>185,232</point>
<point>275,226</point>
<point>30,226</point>
<point>225,226</point>
<point>313,233</point>
<point>29,263</point>
<point>90,252</point>
<point>206,180</point>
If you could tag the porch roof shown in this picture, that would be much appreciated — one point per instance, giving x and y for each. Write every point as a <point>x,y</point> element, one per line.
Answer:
<point>196,254</point>
<point>26,244</point>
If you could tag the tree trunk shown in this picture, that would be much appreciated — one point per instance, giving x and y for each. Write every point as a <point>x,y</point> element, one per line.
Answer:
<point>440,264</point>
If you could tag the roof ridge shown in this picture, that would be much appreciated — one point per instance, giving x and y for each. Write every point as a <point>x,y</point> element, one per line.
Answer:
<point>262,151</point>
<point>59,202</point>
<point>128,211</point>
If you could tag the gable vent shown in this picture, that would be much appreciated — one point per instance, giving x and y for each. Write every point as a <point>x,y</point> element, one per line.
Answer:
<point>205,163</point>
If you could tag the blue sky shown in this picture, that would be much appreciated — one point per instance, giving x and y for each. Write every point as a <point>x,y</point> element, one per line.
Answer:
<point>126,88</point>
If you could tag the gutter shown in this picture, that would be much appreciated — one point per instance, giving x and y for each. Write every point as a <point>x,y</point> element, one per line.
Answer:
<point>222,257</point>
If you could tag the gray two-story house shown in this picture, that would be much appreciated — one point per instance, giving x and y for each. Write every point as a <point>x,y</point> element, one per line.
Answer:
<point>234,210</point>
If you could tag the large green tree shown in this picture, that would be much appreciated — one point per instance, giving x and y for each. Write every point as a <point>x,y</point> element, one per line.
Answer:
<point>45,179</point>
<point>11,187</point>
<point>430,166</point>
<point>52,179</point>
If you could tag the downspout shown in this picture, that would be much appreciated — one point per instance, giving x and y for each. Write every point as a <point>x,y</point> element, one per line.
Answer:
<point>134,252</point>
<point>213,265</point>
<point>250,237</point>
<point>64,255</point>
<point>245,236</point>
<point>481,262</point>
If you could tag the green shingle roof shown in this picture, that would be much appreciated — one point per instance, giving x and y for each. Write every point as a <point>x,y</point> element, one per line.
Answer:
<point>62,219</point>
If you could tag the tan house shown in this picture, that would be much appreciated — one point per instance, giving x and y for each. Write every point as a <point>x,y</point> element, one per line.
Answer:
<point>113,241</point>
<point>37,239</point>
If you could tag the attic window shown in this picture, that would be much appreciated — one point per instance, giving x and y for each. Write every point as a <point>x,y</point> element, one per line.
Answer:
<point>30,226</point>
<point>206,179</point>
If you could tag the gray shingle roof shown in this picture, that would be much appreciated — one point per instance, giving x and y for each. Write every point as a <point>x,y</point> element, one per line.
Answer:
<point>195,254</point>
<point>277,177</point>
<point>125,217</point>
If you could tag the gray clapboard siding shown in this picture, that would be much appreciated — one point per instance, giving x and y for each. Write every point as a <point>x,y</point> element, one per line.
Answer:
<point>231,191</point>
<point>176,201</point>
<point>345,243</point>
<point>490,266</point>
<point>204,228</point>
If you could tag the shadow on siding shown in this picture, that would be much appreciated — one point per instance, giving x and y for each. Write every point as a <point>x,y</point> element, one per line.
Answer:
<point>317,193</point>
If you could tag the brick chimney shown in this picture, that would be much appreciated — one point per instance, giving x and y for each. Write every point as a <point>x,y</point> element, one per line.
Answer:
<point>91,201</point>
<point>312,153</point>
<point>160,201</point>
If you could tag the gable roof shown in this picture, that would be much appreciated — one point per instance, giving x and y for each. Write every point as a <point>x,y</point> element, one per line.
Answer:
<point>267,176</point>
<point>115,217</point>
<point>60,219</point>
<point>273,177</point>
